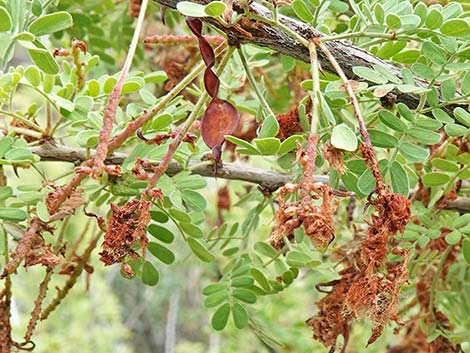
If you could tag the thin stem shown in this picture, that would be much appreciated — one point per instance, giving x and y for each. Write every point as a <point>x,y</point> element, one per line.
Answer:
<point>361,34</point>
<point>114,96</point>
<point>254,84</point>
<point>369,154</point>
<point>22,119</point>
<point>436,279</point>
<point>61,293</point>
<point>27,132</point>
<point>317,12</point>
<point>316,87</point>
<point>282,27</point>
<point>48,118</point>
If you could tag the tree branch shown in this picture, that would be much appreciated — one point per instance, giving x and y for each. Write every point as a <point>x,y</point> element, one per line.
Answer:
<point>268,180</point>
<point>266,35</point>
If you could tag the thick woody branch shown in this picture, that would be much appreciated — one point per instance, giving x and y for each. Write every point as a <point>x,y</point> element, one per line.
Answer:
<point>268,180</point>
<point>267,35</point>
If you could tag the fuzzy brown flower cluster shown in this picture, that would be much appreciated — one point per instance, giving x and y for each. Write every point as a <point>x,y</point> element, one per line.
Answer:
<point>317,221</point>
<point>369,286</point>
<point>127,226</point>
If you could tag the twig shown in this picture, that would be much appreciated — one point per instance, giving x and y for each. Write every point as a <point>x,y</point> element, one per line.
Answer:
<point>254,84</point>
<point>368,151</point>
<point>267,179</point>
<point>114,96</point>
<point>43,286</point>
<point>72,279</point>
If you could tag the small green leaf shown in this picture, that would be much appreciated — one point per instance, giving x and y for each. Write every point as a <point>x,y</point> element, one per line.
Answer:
<point>5,20</point>
<point>453,237</point>
<point>180,215</point>
<point>18,154</point>
<point>369,75</point>
<point>200,250</point>
<point>5,145</point>
<point>51,23</point>
<point>408,56</point>
<point>191,229</point>
<point>5,193</point>
<point>93,88</point>
<point>343,138</point>
<point>461,221</point>
<point>156,77</point>
<point>214,288</point>
<point>215,8</point>
<point>462,115</point>
<point>429,124</point>
<point>44,61</point>
<point>244,295</point>
<point>442,116</point>
<point>382,139</point>
<point>434,19</point>
<point>242,281</point>
<point>455,130</point>
<point>390,120</point>
<point>289,144</point>
<point>42,211</point>
<point>399,177</point>
<point>434,53</point>
<point>448,89</point>
<point>215,298</point>
<point>132,85</point>
<point>161,233</point>
<point>445,165</point>
<point>393,21</point>
<point>12,214</point>
<point>270,127</point>
<point>195,200</point>
<point>455,27</point>
<point>36,7</point>
<point>424,136</point>
<point>297,259</point>
<point>365,183</point>
<point>191,9</point>
<point>109,84</point>
<point>159,216</point>
<point>220,317</point>
<point>302,11</point>
<point>413,153</point>
<point>160,252</point>
<point>268,146</point>
<point>243,143</point>
<point>240,316</point>
<point>33,75</point>
<point>265,249</point>
<point>162,121</point>
<point>150,275</point>
<point>466,250</point>
<point>260,278</point>
<point>423,71</point>
<point>435,179</point>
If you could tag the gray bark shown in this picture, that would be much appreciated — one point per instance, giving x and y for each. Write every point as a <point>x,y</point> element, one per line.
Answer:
<point>268,180</point>
<point>347,54</point>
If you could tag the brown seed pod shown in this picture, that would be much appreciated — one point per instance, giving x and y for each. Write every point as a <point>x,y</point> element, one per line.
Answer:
<point>221,117</point>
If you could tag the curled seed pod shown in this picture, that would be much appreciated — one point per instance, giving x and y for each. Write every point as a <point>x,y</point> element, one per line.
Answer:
<point>221,117</point>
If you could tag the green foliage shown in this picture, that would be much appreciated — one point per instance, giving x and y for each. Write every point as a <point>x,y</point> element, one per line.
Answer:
<point>249,289</point>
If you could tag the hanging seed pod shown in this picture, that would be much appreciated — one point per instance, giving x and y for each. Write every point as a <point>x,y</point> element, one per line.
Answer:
<point>221,117</point>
